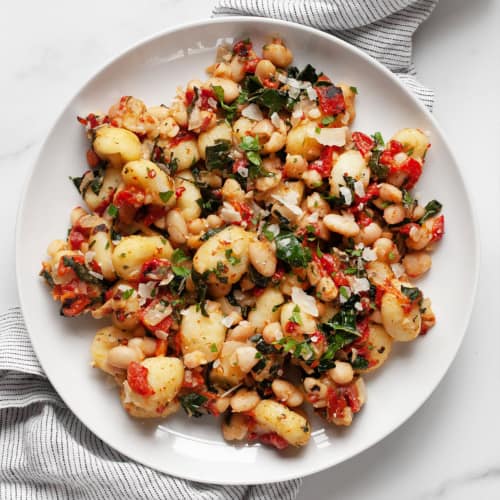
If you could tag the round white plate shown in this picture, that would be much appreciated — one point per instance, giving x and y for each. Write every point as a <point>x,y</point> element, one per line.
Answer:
<point>194,449</point>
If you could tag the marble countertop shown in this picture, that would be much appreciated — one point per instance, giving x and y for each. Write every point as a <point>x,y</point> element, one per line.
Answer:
<point>450,448</point>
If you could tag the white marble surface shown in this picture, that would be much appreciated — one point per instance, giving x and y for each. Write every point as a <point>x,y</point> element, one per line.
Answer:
<point>450,448</point>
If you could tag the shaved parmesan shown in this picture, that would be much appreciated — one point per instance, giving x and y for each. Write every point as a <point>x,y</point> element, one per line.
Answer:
<point>243,171</point>
<point>329,136</point>
<point>369,255</point>
<point>274,229</point>
<point>400,158</point>
<point>227,321</point>
<point>311,93</point>
<point>289,200</point>
<point>346,193</point>
<point>312,218</point>
<point>89,257</point>
<point>360,285</point>
<point>398,269</point>
<point>145,291</point>
<point>359,189</point>
<point>99,276</point>
<point>229,214</point>
<point>156,314</point>
<point>306,302</point>
<point>252,112</point>
<point>276,120</point>
<point>212,102</point>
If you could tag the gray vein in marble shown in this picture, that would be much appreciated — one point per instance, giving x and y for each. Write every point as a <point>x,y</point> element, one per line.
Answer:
<point>19,151</point>
<point>446,488</point>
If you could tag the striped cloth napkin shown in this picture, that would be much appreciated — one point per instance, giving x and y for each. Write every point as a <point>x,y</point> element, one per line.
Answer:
<point>46,452</point>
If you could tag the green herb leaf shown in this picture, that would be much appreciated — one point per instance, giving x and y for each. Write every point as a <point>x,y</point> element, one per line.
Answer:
<point>166,195</point>
<point>181,271</point>
<point>77,181</point>
<point>308,74</point>
<point>229,109</point>
<point>432,208</point>
<point>413,293</point>
<point>408,199</point>
<point>327,120</point>
<point>213,347</point>
<point>232,259</point>
<point>178,256</point>
<point>250,143</point>
<point>290,250</point>
<point>217,156</point>
<point>192,403</point>
<point>379,140</point>
<point>295,317</point>
<point>360,363</point>
<point>127,293</point>
<point>379,170</point>
<point>354,90</point>
<point>112,210</point>
<point>81,271</point>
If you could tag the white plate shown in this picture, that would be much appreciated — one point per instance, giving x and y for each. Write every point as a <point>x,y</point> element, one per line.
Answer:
<point>194,448</point>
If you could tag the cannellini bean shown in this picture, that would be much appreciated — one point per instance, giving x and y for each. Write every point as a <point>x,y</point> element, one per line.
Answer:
<point>350,163</point>
<point>287,393</point>
<point>312,179</point>
<point>388,192</point>
<point>394,214</point>
<point>243,331</point>
<point>418,212</point>
<point>176,227</point>
<point>244,400</point>
<point>342,224</point>
<point>417,263</point>
<point>231,191</point>
<point>246,358</point>
<point>386,250</point>
<point>146,344</point>
<point>264,69</point>
<point>231,89</point>
<point>277,53</point>
<point>121,356</point>
<point>316,204</point>
<point>326,289</point>
<point>214,221</point>
<point>236,429</point>
<point>342,373</point>
<point>272,332</point>
<point>379,272</point>
<point>222,404</point>
<point>370,233</point>
<point>263,257</point>
<point>315,387</point>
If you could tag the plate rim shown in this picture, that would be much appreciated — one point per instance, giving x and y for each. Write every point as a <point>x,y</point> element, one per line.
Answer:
<point>369,60</point>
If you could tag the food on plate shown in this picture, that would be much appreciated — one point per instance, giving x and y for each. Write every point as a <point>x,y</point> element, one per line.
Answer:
<point>253,252</point>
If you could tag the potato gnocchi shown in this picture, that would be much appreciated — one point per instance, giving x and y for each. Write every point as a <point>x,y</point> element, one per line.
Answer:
<point>243,234</point>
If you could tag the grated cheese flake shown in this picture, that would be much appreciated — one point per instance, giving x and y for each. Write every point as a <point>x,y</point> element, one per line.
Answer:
<point>306,302</point>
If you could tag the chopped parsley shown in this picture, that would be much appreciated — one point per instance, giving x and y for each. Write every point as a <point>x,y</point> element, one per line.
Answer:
<point>166,195</point>
<point>232,259</point>
<point>127,293</point>
<point>112,210</point>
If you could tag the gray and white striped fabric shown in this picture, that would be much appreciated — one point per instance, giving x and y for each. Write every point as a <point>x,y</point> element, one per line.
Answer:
<point>382,28</point>
<point>46,452</point>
